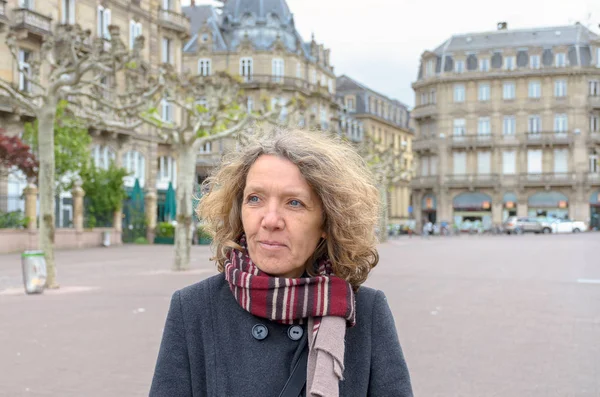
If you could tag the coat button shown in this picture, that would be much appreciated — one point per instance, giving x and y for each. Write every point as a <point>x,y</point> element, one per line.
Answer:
<point>295,332</point>
<point>259,332</point>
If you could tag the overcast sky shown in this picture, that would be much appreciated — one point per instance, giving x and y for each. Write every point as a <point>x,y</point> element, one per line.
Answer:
<point>379,42</point>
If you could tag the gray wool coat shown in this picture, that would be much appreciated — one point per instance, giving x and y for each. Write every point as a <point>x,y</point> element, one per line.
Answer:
<point>209,350</point>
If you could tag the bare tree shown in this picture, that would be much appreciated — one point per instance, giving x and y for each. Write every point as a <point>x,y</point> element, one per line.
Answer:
<point>386,165</point>
<point>202,109</point>
<point>69,59</point>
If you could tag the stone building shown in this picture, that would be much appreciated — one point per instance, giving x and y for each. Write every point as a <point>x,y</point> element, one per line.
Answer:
<point>386,121</point>
<point>165,29</point>
<point>258,41</point>
<point>508,123</point>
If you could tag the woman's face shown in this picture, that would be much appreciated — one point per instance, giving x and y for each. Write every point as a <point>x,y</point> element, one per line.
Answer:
<point>282,217</point>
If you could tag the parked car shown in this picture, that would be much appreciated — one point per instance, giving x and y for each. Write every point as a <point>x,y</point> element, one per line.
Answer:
<point>568,226</point>
<point>528,224</point>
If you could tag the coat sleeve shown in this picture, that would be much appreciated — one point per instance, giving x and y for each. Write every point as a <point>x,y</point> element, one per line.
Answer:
<point>172,376</point>
<point>389,374</point>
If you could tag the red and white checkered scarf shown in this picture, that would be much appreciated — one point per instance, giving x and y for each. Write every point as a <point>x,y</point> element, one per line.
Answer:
<point>294,301</point>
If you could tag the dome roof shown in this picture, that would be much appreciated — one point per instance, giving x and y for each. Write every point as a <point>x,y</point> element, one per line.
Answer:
<point>235,10</point>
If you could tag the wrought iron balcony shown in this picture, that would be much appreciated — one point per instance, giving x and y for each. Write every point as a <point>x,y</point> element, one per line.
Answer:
<point>472,180</point>
<point>174,21</point>
<point>594,138</point>
<point>593,179</point>
<point>291,83</point>
<point>424,111</point>
<point>548,179</point>
<point>594,101</point>
<point>424,144</point>
<point>425,182</point>
<point>32,23</point>
<point>552,138</point>
<point>472,141</point>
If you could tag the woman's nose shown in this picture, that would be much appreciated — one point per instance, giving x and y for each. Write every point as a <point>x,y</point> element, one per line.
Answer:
<point>273,219</point>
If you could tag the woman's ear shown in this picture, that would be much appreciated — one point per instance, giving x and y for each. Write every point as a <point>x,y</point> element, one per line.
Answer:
<point>323,235</point>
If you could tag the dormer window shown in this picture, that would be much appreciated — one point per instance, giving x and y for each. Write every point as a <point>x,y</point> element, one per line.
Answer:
<point>430,68</point>
<point>459,66</point>
<point>484,65</point>
<point>561,60</point>
<point>510,63</point>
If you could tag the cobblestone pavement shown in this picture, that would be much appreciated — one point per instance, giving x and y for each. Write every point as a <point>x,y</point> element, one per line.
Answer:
<point>477,316</point>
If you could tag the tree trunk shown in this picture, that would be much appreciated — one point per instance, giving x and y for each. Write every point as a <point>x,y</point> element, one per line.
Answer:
<point>186,167</point>
<point>47,189</point>
<point>383,218</point>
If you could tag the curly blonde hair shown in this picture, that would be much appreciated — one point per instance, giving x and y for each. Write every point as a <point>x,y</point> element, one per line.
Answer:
<point>338,175</point>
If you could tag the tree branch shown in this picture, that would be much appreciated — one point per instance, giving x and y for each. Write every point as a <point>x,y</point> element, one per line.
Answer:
<point>18,97</point>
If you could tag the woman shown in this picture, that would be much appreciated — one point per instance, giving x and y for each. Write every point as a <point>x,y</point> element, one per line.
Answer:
<point>292,214</point>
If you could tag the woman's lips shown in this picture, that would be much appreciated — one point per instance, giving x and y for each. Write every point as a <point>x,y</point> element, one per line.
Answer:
<point>271,245</point>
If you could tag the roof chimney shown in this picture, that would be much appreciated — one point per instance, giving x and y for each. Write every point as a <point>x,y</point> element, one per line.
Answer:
<point>502,25</point>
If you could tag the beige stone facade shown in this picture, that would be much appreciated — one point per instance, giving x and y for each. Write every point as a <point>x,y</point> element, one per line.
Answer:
<point>165,29</point>
<point>386,121</point>
<point>508,123</point>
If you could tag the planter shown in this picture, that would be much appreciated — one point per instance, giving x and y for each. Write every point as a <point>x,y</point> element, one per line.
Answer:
<point>164,240</point>
<point>204,241</point>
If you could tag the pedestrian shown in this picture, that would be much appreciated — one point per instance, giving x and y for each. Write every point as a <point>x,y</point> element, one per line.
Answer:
<point>292,215</point>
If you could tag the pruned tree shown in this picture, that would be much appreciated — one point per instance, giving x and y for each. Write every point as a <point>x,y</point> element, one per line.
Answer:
<point>203,109</point>
<point>386,165</point>
<point>69,59</point>
<point>14,153</point>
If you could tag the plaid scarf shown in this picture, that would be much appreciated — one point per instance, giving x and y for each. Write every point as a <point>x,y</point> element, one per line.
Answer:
<point>289,300</point>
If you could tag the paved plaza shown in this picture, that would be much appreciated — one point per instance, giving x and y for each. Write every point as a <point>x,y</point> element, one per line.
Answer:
<point>477,316</point>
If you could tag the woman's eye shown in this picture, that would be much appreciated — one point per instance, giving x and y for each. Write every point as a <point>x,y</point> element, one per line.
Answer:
<point>295,203</point>
<point>253,199</point>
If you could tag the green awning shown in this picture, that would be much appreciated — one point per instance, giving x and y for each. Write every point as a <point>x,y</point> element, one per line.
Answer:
<point>472,201</point>
<point>509,197</point>
<point>547,200</point>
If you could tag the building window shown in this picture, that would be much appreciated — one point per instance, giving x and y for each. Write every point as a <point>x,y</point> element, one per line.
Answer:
<point>135,30</point>
<point>534,61</point>
<point>594,123</point>
<point>28,4</point>
<point>510,63</point>
<point>206,148</point>
<point>561,161</point>
<point>166,50</point>
<point>593,161</point>
<point>484,92</point>
<point>432,97</point>
<point>459,66</point>
<point>424,98</point>
<point>103,156</point>
<point>429,68</point>
<point>534,161</point>
<point>594,88</point>
<point>246,68</point>
<point>204,67</point>
<point>350,104</point>
<point>561,123</point>
<point>483,126</point>
<point>167,171</point>
<point>509,162</point>
<point>103,22</point>
<point>560,88</point>
<point>166,111</point>
<point>484,163</point>
<point>535,124</point>
<point>535,89</point>
<point>166,4</point>
<point>561,60</point>
<point>68,12</point>
<point>277,69</point>
<point>459,160</point>
<point>484,65</point>
<point>313,76</point>
<point>508,91</point>
<point>299,70</point>
<point>459,127</point>
<point>424,166</point>
<point>459,93</point>
<point>25,70</point>
<point>509,125</point>
<point>250,104</point>
<point>135,164</point>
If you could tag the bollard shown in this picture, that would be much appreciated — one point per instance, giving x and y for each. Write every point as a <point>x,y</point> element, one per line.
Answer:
<point>34,271</point>
<point>106,238</point>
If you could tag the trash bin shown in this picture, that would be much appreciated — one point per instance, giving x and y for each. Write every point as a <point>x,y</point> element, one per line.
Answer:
<point>34,271</point>
<point>106,238</point>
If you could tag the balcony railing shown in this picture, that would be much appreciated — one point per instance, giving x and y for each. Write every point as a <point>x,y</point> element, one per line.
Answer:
<point>424,182</point>
<point>424,111</point>
<point>552,138</point>
<point>173,20</point>
<point>593,178</point>
<point>425,143</point>
<point>32,21</point>
<point>548,179</point>
<point>285,82</point>
<point>594,137</point>
<point>594,101</point>
<point>472,180</point>
<point>479,140</point>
